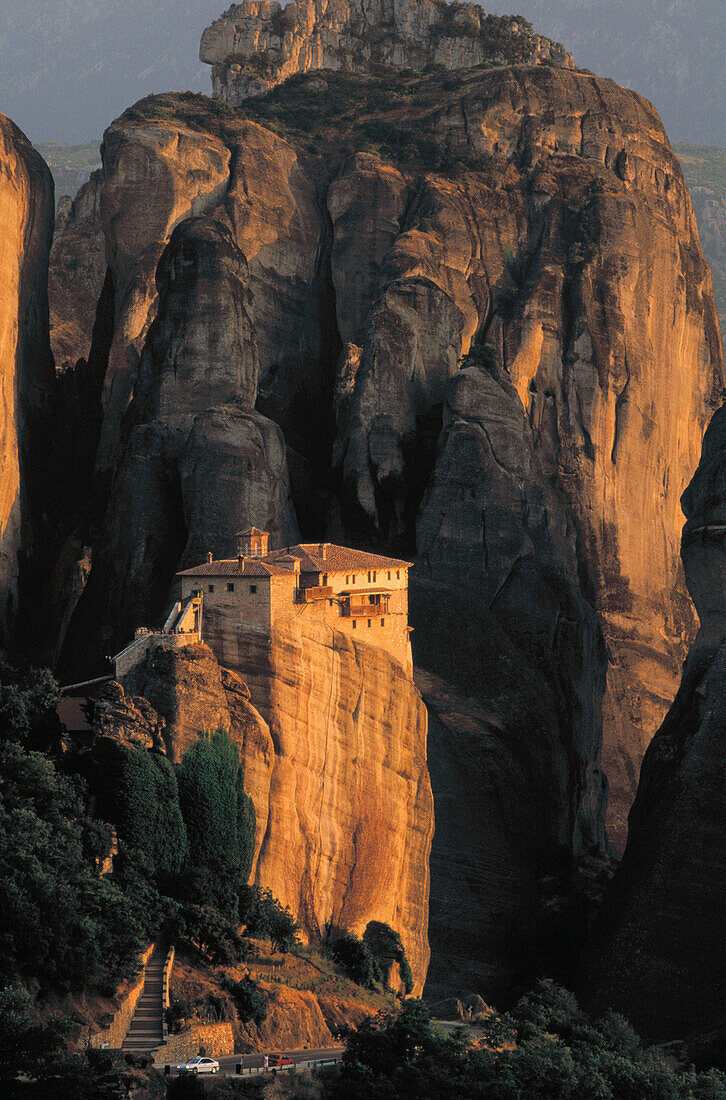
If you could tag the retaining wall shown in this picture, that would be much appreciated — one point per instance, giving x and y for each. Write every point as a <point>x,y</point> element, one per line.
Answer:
<point>216,1039</point>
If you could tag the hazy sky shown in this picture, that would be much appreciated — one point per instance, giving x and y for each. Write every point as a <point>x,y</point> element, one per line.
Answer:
<point>69,67</point>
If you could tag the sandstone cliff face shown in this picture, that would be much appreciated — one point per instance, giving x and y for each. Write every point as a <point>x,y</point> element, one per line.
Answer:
<point>26,226</point>
<point>537,482</point>
<point>335,762</point>
<point>659,955</point>
<point>258,44</point>
<point>77,273</point>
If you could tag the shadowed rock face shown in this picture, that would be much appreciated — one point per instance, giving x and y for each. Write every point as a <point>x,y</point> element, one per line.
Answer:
<point>332,737</point>
<point>255,46</point>
<point>26,366</point>
<point>77,272</point>
<point>537,481</point>
<point>659,953</point>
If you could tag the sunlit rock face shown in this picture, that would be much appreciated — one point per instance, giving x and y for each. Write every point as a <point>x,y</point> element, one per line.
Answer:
<point>658,954</point>
<point>256,45</point>
<point>26,226</point>
<point>332,737</point>
<point>503,371</point>
<point>198,463</point>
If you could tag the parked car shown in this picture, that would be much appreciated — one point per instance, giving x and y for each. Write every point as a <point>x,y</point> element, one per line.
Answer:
<point>277,1061</point>
<point>199,1065</point>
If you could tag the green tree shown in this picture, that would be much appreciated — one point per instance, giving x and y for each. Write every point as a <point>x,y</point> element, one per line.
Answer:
<point>27,1044</point>
<point>138,793</point>
<point>219,819</point>
<point>248,1000</point>
<point>357,960</point>
<point>28,706</point>
<point>266,918</point>
<point>60,924</point>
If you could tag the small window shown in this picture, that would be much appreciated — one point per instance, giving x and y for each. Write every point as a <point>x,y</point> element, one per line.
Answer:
<point>369,624</point>
<point>211,588</point>
<point>375,576</point>
<point>353,579</point>
<point>325,580</point>
<point>253,588</point>
<point>347,580</point>
<point>354,624</point>
<point>369,576</point>
<point>398,574</point>
<point>389,574</point>
<point>230,587</point>
<point>383,622</point>
<point>330,602</point>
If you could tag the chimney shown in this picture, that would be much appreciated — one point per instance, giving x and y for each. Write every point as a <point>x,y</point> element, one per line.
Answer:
<point>209,556</point>
<point>322,549</point>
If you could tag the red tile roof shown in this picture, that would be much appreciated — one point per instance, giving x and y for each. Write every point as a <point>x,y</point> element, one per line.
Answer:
<point>231,567</point>
<point>335,559</point>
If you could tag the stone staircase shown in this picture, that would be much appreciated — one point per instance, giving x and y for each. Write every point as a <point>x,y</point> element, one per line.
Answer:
<point>146,1030</point>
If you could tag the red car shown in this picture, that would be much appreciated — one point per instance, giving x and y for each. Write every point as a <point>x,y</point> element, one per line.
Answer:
<point>277,1061</point>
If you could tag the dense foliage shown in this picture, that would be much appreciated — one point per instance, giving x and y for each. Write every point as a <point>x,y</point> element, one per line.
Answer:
<point>61,925</point>
<point>219,818</point>
<point>248,1000</point>
<point>28,706</point>
<point>551,1051</point>
<point>137,793</point>
<point>382,940</point>
<point>357,960</point>
<point>265,918</point>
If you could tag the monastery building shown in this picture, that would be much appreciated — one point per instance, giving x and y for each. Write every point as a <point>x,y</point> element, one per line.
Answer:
<point>363,595</point>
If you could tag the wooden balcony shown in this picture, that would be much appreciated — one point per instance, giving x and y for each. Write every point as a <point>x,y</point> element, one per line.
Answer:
<point>361,610</point>
<point>307,595</point>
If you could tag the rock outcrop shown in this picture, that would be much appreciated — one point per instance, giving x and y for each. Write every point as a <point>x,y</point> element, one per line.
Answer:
<point>332,737</point>
<point>258,44</point>
<point>658,956</point>
<point>26,366</point>
<point>485,335</point>
<point>77,273</point>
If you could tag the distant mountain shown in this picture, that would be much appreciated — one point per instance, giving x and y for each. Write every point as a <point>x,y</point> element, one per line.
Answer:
<point>704,167</point>
<point>669,50</point>
<point>69,67</point>
<point>70,165</point>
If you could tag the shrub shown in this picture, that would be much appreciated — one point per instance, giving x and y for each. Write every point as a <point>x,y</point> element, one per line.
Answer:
<point>384,941</point>
<point>248,999</point>
<point>357,960</point>
<point>26,1043</point>
<point>212,934</point>
<point>265,918</point>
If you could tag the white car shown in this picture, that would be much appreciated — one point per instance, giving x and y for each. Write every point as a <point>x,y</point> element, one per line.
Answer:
<point>199,1065</point>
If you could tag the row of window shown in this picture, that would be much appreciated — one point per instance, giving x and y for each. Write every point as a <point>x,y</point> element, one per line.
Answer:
<point>351,578</point>
<point>370,623</point>
<point>230,587</point>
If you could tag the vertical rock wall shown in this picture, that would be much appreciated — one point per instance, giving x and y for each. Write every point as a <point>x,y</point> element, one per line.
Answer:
<point>332,736</point>
<point>26,371</point>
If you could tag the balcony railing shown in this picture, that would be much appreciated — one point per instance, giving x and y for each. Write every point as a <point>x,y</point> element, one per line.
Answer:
<point>357,610</point>
<point>307,595</point>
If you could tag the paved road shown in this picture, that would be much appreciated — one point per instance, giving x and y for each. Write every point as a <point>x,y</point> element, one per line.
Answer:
<point>228,1063</point>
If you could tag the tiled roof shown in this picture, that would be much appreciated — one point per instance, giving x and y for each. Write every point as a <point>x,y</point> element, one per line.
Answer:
<point>232,567</point>
<point>337,559</point>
